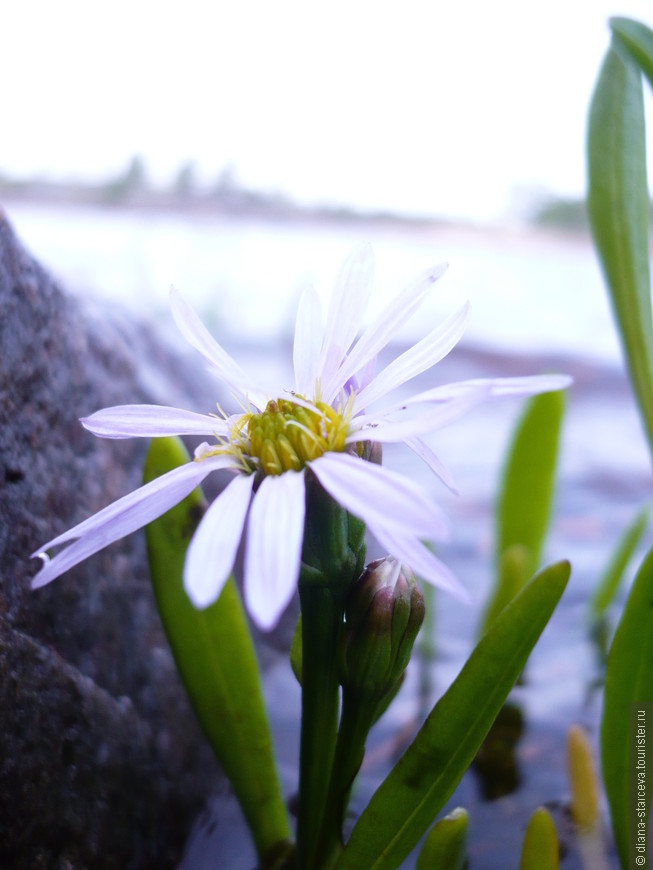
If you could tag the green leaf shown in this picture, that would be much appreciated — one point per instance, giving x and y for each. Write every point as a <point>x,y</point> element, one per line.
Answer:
<point>540,847</point>
<point>611,579</point>
<point>525,500</point>
<point>524,506</point>
<point>512,574</point>
<point>637,39</point>
<point>417,788</point>
<point>445,847</point>
<point>629,680</point>
<point>618,210</point>
<point>215,656</point>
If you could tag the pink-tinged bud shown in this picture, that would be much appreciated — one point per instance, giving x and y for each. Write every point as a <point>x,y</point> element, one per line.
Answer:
<point>384,613</point>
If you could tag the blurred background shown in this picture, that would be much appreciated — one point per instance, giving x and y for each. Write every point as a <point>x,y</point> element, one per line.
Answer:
<point>238,151</point>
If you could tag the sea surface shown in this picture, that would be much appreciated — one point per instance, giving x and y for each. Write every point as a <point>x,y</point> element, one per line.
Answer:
<point>538,305</point>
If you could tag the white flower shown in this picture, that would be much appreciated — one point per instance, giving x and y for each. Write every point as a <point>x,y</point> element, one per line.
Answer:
<point>319,427</point>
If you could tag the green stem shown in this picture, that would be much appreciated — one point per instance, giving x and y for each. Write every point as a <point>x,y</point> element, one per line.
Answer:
<point>321,628</point>
<point>358,715</point>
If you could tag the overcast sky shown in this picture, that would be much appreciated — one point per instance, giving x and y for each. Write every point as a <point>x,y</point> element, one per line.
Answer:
<point>425,107</point>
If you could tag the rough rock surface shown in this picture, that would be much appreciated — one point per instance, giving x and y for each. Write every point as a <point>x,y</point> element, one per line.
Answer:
<point>101,761</point>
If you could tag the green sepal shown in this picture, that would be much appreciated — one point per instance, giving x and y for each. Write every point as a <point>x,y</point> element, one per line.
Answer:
<point>540,847</point>
<point>333,552</point>
<point>445,846</point>
<point>618,207</point>
<point>215,656</point>
<point>628,680</point>
<point>406,802</point>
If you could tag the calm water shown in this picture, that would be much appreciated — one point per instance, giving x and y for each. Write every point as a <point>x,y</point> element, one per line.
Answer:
<point>530,291</point>
<point>538,303</point>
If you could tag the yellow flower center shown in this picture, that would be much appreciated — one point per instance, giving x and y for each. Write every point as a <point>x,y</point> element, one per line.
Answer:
<point>286,435</point>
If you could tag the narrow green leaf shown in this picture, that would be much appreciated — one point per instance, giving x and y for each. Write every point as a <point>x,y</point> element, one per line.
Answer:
<point>611,579</point>
<point>417,788</point>
<point>445,847</point>
<point>512,574</point>
<point>637,39</point>
<point>629,680</point>
<point>618,210</point>
<point>215,657</point>
<point>525,499</point>
<point>524,506</point>
<point>540,847</point>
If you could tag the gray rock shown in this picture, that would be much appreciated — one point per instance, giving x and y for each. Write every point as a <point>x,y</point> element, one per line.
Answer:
<point>102,763</point>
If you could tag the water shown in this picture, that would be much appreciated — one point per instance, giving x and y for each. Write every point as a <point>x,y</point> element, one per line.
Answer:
<point>531,292</point>
<point>538,304</point>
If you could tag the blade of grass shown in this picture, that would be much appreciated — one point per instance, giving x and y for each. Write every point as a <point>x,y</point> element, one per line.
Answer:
<point>610,581</point>
<point>445,846</point>
<point>637,39</point>
<point>629,680</point>
<point>618,210</point>
<point>525,499</point>
<point>215,656</point>
<point>417,788</point>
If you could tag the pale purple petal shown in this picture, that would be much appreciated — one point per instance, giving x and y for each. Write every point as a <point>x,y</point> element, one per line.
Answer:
<point>433,461</point>
<point>196,334</point>
<point>275,532</point>
<point>347,306</point>
<point>524,386</point>
<point>124,516</point>
<point>308,341</point>
<point>366,374</point>
<point>377,495</point>
<point>413,553</point>
<point>417,359</point>
<point>377,336</point>
<point>392,431</point>
<point>212,550</point>
<point>151,421</point>
<point>489,388</point>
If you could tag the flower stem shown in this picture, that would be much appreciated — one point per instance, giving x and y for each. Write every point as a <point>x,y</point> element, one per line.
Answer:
<point>321,627</point>
<point>332,558</point>
<point>358,714</point>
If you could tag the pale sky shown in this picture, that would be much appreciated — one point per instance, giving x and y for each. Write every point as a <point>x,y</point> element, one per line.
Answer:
<point>423,107</point>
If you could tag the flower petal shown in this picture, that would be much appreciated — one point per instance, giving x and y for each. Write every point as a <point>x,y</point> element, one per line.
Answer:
<point>422,449</point>
<point>490,388</point>
<point>151,421</point>
<point>275,533</point>
<point>308,340</point>
<point>196,334</point>
<point>379,333</point>
<point>368,428</point>
<point>124,516</point>
<point>212,550</point>
<point>417,359</point>
<point>379,496</point>
<point>422,561</point>
<point>347,306</point>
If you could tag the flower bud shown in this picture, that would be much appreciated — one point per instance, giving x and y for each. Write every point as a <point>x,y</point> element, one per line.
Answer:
<point>384,612</point>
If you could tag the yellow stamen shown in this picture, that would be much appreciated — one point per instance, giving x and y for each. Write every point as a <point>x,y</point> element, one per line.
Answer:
<point>286,435</point>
